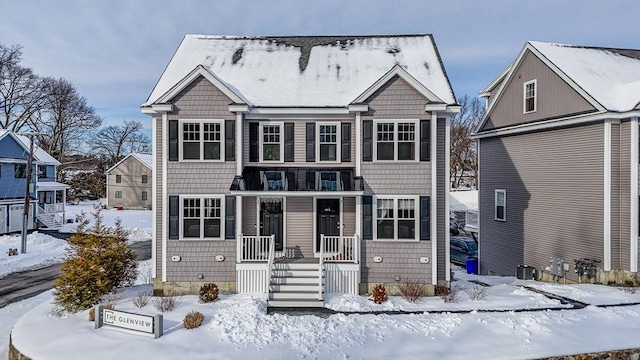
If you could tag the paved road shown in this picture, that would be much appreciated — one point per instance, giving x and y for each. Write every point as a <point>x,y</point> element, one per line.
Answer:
<point>23,285</point>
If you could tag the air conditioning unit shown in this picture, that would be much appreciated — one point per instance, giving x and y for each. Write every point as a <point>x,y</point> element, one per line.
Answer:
<point>526,272</point>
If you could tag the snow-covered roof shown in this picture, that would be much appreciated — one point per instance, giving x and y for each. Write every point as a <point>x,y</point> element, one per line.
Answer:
<point>145,159</point>
<point>610,76</point>
<point>305,71</point>
<point>39,155</point>
<point>50,185</point>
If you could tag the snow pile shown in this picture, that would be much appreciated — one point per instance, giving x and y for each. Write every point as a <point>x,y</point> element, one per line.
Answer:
<point>463,200</point>
<point>42,250</point>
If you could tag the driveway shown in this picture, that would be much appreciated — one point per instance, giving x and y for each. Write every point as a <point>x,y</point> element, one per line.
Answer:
<point>19,286</point>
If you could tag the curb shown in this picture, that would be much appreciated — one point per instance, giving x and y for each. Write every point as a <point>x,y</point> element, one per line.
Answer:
<point>15,354</point>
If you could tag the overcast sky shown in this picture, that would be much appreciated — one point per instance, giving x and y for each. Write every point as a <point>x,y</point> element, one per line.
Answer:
<point>114,51</point>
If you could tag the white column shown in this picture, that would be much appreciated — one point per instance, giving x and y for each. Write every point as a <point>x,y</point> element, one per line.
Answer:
<point>64,205</point>
<point>607,195</point>
<point>434,198</point>
<point>239,144</point>
<point>163,190</point>
<point>447,235</point>
<point>154,193</point>
<point>633,211</point>
<point>358,144</point>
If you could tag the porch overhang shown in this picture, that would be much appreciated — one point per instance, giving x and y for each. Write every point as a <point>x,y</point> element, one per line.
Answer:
<point>295,193</point>
<point>51,186</point>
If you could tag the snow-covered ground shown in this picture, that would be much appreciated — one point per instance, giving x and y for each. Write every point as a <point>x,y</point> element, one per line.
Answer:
<point>463,200</point>
<point>238,327</point>
<point>44,250</point>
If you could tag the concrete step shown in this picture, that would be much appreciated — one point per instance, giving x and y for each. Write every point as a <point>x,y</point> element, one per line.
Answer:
<point>277,280</point>
<point>294,287</point>
<point>299,295</point>
<point>292,303</point>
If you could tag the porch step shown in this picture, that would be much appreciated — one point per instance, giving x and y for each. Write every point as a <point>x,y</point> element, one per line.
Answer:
<point>288,280</point>
<point>295,266</point>
<point>295,286</point>
<point>295,273</point>
<point>296,295</point>
<point>295,303</point>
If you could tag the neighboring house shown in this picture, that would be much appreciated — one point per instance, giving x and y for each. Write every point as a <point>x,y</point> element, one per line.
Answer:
<point>559,163</point>
<point>295,166</point>
<point>47,197</point>
<point>129,182</point>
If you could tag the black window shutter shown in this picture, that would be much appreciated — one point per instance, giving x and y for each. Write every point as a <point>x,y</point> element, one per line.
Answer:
<point>425,221</point>
<point>367,140</point>
<point>253,142</point>
<point>230,140</point>
<point>173,140</point>
<point>174,217</point>
<point>367,218</point>
<point>425,140</point>
<point>288,142</point>
<point>230,217</point>
<point>346,142</point>
<point>311,142</point>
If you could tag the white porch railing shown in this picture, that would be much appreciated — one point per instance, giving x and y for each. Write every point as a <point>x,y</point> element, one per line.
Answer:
<point>471,221</point>
<point>272,247</point>
<point>49,215</point>
<point>55,208</point>
<point>255,248</point>
<point>340,249</point>
<point>321,266</point>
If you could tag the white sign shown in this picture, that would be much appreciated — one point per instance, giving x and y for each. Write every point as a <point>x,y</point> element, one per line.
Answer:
<point>128,320</point>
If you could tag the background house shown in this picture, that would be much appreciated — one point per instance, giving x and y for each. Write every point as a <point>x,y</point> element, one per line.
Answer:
<point>559,163</point>
<point>48,197</point>
<point>295,166</point>
<point>129,182</point>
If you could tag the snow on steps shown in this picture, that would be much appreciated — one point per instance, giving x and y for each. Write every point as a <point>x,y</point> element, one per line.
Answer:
<point>295,284</point>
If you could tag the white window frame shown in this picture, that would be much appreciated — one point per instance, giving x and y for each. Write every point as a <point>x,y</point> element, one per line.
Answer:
<point>118,194</point>
<point>396,122</point>
<point>504,205</point>
<point>201,141</point>
<point>535,96</point>
<point>202,199</point>
<point>338,142</point>
<point>261,126</point>
<point>395,198</point>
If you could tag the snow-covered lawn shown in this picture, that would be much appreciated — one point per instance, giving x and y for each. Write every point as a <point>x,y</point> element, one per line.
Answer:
<point>238,327</point>
<point>44,250</point>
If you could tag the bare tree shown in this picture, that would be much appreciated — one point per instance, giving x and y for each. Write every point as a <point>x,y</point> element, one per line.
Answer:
<point>64,120</point>
<point>116,141</point>
<point>21,91</point>
<point>464,151</point>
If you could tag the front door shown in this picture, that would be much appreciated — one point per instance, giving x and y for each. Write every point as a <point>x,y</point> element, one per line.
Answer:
<point>328,222</point>
<point>271,216</point>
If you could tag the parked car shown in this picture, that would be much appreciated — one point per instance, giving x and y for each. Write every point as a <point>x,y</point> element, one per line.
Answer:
<point>454,226</point>
<point>461,248</point>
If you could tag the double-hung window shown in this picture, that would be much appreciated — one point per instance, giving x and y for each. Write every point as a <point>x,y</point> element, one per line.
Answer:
<point>328,142</point>
<point>42,171</point>
<point>118,179</point>
<point>145,179</point>
<point>201,140</point>
<point>144,196</point>
<point>271,142</point>
<point>396,218</point>
<point>396,140</point>
<point>201,217</point>
<point>501,205</point>
<point>118,194</point>
<point>530,98</point>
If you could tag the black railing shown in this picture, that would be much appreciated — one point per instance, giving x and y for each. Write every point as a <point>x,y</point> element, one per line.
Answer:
<point>297,179</point>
